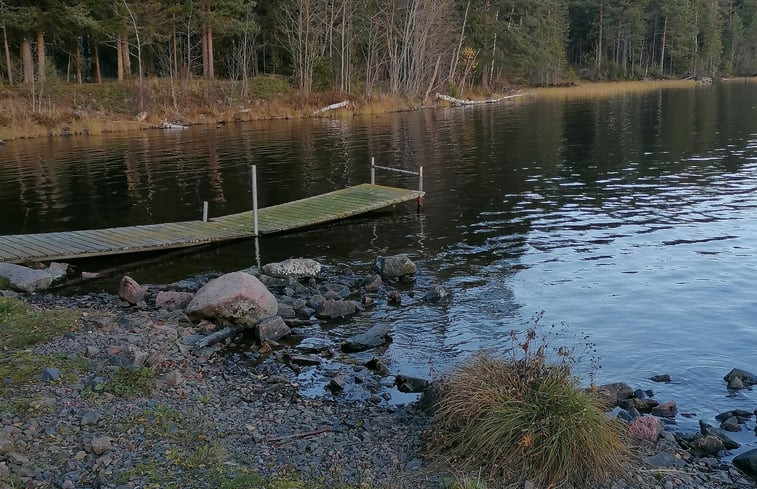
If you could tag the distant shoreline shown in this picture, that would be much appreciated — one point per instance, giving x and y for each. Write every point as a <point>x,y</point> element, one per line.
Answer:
<point>94,109</point>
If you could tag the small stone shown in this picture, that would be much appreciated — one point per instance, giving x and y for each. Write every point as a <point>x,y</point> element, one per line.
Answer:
<point>336,384</point>
<point>736,384</point>
<point>666,410</point>
<point>67,484</point>
<point>80,455</point>
<point>731,424</point>
<point>173,378</point>
<point>668,484</point>
<point>50,374</point>
<point>394,297</point>
<point>271,328</point>
<point>130,291</point>
<point>101,444</point>
<point>92,351</point>
<point>89,418</point>
<point>437,293</point>
<point>405,383</point>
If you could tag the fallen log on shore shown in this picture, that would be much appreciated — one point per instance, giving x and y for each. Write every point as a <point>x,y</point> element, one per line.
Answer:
<point>338,105</point>
<point>457,101</point>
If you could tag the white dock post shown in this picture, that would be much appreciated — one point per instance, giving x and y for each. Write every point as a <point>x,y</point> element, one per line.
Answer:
<point>204,211</point>
<point>420,187</point>
<point>373,170</point>
<point>254,201</point>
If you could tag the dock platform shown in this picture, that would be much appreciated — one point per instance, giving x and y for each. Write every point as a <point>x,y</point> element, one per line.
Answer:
<point>290,216</point>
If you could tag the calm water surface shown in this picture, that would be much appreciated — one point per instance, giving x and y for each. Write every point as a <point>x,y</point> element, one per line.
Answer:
<point>631,219</point>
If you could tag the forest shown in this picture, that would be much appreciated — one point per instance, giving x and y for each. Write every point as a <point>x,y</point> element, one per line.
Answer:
<point>398,47</point>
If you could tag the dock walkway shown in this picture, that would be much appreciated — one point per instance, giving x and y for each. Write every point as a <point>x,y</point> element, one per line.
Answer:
<point>311,211</point>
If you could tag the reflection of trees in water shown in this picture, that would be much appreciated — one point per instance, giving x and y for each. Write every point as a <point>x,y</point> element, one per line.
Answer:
<point>215,171</point>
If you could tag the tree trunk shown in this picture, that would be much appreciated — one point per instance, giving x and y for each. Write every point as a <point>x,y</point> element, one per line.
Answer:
<point>26,58</point>
<point>41,62</point>
<point>97,75</point>
<point>175,51</point>
<point>125,50</point>
<point>601,33</point>
<point>120,58</point>
<point>78,63</point>
<point>211,69</point>
<point>8,64</point>
<point>662,53</point>
<point>204,43</point>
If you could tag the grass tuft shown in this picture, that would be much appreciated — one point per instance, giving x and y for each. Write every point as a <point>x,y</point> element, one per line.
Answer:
<point>131,382</point>
<point>526,419</point>
<point>22,326</point>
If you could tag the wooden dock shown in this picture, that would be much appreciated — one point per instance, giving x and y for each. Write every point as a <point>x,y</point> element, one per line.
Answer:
<point>311,211</point>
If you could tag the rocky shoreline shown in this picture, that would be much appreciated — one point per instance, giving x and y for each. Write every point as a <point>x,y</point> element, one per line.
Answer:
<point>150,406</point>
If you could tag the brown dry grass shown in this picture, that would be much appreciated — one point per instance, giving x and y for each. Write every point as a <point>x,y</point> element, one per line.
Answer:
<point>525,419</point>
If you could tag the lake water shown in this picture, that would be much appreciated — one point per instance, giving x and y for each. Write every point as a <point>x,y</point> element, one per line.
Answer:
<point>631,219</point>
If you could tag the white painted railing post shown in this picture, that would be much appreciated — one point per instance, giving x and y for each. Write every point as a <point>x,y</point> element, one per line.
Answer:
<point>373,170</point>
<point>255,200</point>
<point>204,211</point>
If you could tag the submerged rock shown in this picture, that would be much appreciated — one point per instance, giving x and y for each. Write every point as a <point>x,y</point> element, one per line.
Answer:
<point>236,297</point>
<point>709,430</point>
<point>660,378</point>
<point>747,378</point>
<point>332,309</point>
<point>377,336</point>
<point>293,267</point>
<point>406,383</point>
<point>394,267</point>
<point>437,293</point>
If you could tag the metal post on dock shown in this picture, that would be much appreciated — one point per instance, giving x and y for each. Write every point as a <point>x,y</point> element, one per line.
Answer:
<point>373,170</point>
<point>204,211</point>
<point>420,187</point>
<point>255,200</point>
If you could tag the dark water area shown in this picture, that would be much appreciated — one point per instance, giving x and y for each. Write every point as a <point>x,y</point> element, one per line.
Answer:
<point>630,219</point>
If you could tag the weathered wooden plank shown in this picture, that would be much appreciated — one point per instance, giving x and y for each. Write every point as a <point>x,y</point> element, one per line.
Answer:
<point>306,212</point>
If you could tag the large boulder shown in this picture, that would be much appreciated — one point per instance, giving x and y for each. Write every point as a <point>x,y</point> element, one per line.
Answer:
<point>293,267</point>
<point>25,279</point>
<point>747,462</point>
<point>236,297</point>
<point>393,267</point>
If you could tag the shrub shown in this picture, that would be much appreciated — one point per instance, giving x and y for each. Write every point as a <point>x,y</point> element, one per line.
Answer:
<point>526,419</point>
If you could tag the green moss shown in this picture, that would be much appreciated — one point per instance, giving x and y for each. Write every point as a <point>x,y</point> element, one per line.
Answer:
<point>18,368</point>
<point>131,382</point>
<point>22,326</point>
<point>4,283</point>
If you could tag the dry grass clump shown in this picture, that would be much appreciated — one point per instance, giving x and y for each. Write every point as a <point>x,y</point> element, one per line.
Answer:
<point>526,419</point>
<point>598,90</point>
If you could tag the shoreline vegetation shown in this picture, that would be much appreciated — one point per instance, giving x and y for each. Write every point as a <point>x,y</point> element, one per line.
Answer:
<point>94,109</point>
<point>122,391</point>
